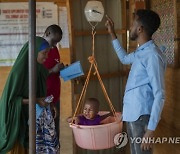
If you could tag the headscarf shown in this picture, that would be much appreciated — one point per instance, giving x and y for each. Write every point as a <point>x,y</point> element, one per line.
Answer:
<point>14,115</point>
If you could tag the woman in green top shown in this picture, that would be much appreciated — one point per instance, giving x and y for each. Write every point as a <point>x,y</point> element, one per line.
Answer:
<point>14,99</point>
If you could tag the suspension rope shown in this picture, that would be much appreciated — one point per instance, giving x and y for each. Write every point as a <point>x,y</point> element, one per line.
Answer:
<point>82,93</point>
<point>93,64</point>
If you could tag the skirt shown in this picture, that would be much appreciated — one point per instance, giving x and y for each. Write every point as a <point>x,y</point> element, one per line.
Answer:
<point>46,137</point>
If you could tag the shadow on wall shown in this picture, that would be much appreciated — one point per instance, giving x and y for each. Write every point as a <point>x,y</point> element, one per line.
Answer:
<point>169,125</point>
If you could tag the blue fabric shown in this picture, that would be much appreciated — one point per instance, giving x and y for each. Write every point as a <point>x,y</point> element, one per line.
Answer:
<point>46,136</point>
<point>144,92</point>
<point>135,130</point>
<point>72,71</point>
<point>39,110</point>
<point>44,45</point>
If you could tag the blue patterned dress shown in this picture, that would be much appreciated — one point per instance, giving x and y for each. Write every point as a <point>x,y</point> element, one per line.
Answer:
<point>46,137</point>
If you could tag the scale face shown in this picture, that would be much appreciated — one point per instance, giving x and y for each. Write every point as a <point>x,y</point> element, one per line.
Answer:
<point>94,11</point>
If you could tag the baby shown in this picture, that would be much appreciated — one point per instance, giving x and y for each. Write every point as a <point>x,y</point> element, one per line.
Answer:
<point>90,114</point>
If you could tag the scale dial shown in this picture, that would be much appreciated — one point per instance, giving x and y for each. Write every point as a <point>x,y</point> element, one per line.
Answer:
<point>94,11</point>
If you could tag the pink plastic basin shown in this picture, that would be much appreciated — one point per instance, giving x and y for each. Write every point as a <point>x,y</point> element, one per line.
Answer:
<point>99,136</point>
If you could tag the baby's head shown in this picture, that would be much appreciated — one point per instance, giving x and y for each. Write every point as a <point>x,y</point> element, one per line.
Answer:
<point>91,108</point>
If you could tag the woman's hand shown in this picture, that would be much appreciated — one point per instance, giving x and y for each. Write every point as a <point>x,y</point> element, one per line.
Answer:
<point>41,102</point>
<point>57,68</point>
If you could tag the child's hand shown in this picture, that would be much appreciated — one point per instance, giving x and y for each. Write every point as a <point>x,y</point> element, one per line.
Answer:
<point>69,119</point>
<point>75,120</point>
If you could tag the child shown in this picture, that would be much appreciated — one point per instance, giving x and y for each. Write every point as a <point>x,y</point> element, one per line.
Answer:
<point>90,114</point>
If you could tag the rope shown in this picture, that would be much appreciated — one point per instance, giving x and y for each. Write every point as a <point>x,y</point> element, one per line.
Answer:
<point>93,63</point>
<point>104,91</point>
<point>82,93</point>
<point>93,35</point>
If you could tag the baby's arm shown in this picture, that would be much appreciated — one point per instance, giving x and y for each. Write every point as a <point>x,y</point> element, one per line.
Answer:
<point>75,120</point>
<point>106,115</point>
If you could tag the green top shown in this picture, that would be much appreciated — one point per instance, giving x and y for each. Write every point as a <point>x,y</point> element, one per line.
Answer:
<point>14,115</point>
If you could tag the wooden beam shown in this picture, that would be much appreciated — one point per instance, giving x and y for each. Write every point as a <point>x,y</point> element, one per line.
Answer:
<point>60,2</point>
<point>124,22</point>
<point>56,1</point>
<point>99,32</point>
<point>177,33</point>
<point>71,29</point>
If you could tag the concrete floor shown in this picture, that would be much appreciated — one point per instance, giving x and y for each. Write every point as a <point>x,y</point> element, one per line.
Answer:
<point>66,138</point>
